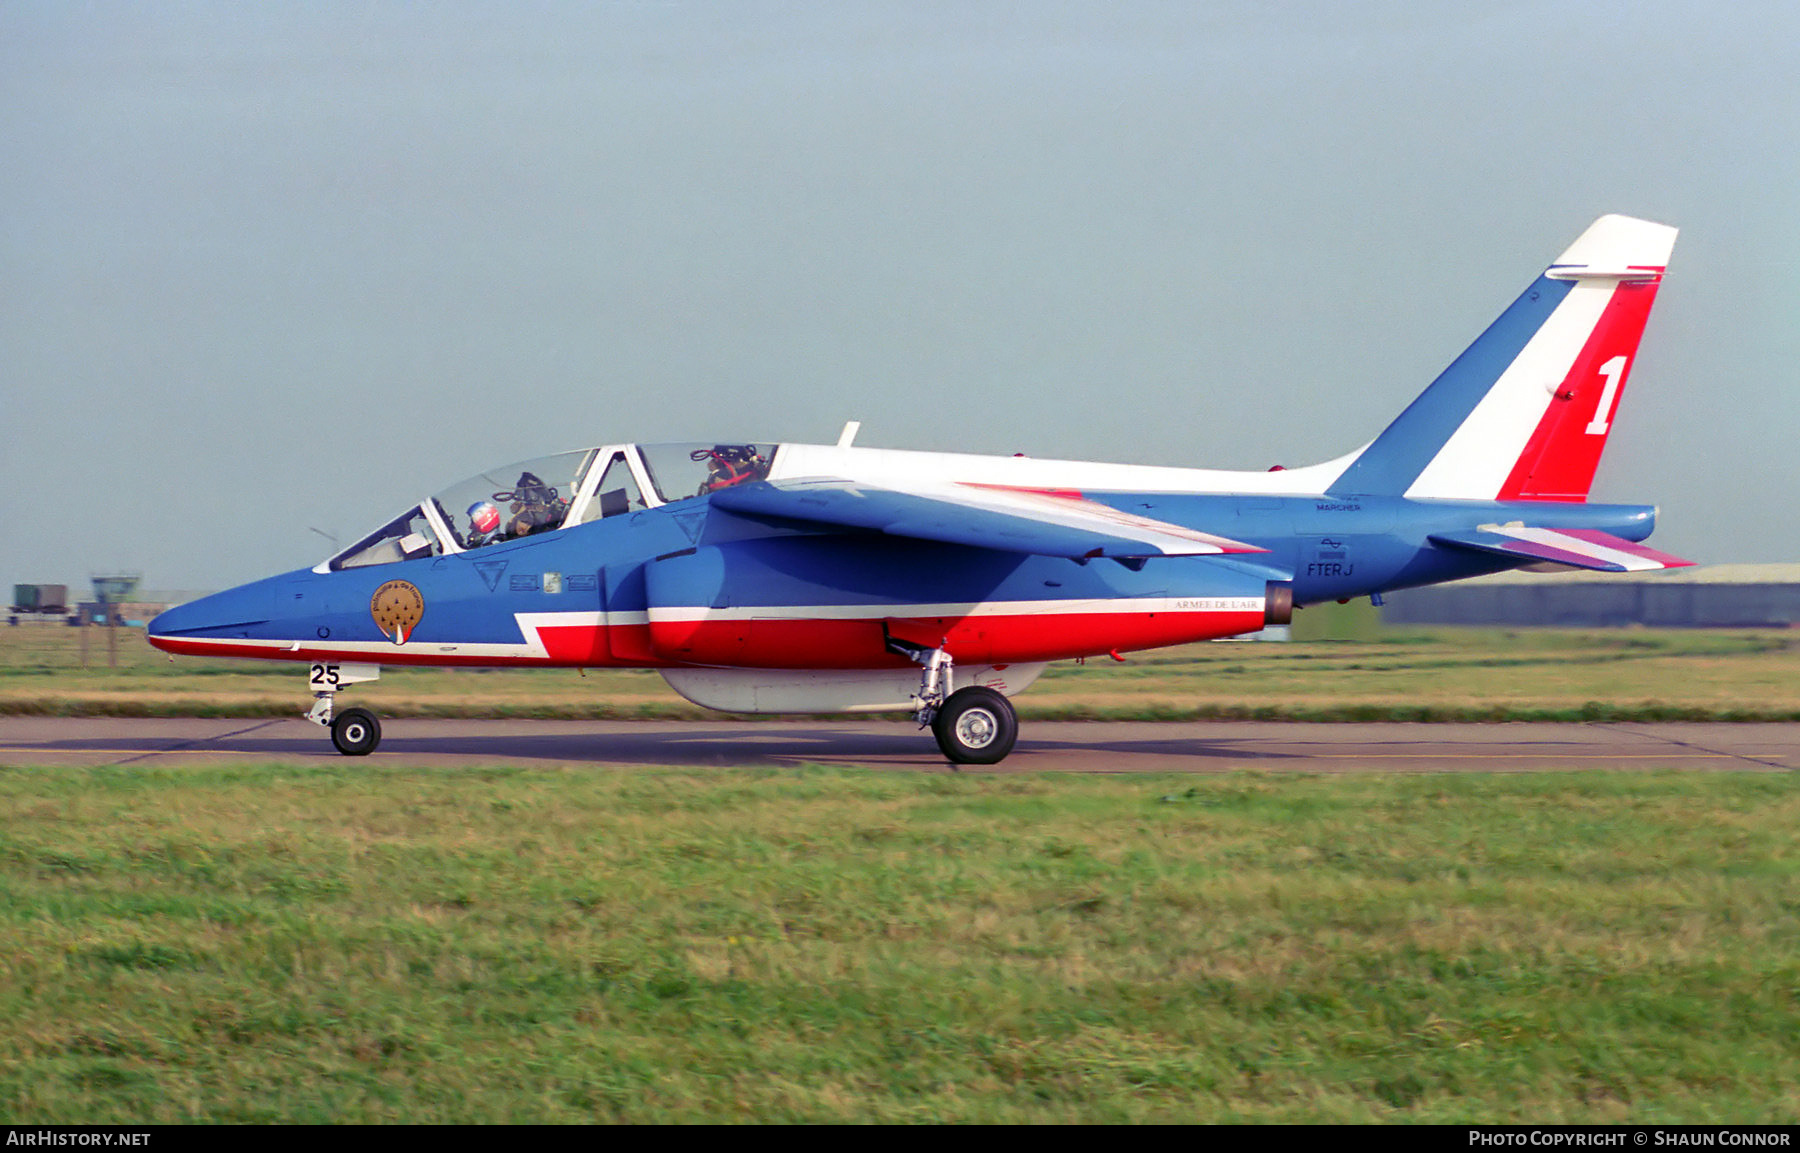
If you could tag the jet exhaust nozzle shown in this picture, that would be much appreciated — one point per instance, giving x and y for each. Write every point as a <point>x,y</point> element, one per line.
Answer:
<point>1278,606</point>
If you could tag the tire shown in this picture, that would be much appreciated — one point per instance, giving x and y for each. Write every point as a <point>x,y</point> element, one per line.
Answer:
<point>356,732</point>
<point>976,726</point>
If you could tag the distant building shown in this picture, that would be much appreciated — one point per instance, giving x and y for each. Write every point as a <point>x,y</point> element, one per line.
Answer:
<point>137,612</point>
<point>1711,596</point>
<point>130,613</point>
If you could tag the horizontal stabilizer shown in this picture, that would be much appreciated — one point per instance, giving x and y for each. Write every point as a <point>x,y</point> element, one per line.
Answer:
<point>1578,547</point>
<point>1044,523</point>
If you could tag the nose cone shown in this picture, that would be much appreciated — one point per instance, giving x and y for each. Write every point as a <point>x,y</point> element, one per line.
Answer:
<point>234,614</point>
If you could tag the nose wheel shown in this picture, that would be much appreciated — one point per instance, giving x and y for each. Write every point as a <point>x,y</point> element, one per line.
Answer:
<point>355,732</point>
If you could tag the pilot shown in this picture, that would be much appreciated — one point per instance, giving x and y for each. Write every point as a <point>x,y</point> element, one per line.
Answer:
<point>728,465</point>
<point>535,506</point>
<point>484,518</point>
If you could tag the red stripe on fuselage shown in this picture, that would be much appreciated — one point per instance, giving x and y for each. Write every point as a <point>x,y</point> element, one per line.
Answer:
<point>796,643</point>
<point>412,655</point>
<point>790,643</point>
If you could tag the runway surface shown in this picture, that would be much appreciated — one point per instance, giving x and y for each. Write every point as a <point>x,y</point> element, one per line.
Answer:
<point>1086,747</point>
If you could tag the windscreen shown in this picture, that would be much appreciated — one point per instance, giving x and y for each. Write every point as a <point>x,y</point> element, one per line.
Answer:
<point>408,536</point>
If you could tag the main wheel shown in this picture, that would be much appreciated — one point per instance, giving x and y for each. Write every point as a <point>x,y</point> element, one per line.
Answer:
<point>976,726</point>
<point>356,732</point>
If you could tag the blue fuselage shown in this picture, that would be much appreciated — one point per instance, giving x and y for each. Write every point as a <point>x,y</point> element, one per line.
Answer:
<point>692,584</point>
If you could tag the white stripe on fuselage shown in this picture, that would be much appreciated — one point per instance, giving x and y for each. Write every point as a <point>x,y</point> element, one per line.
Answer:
<point>1120,605</point>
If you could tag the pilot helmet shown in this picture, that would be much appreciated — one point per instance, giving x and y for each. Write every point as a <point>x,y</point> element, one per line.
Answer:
<point>483,516</point>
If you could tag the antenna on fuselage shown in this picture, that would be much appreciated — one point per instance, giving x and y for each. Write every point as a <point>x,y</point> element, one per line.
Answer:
<point>849,433</point>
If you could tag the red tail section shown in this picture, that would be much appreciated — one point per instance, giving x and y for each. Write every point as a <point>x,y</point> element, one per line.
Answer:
<point>1559,460</point>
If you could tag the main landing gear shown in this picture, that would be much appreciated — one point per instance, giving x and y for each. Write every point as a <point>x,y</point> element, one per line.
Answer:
<point>976,726</point>
<point>973,726</point>
<point>355,732</point>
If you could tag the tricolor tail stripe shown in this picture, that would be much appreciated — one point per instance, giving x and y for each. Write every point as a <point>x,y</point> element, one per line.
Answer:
<point>1524,412</point>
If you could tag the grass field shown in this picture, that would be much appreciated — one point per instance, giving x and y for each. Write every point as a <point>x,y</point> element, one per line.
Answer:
<point>1444,674</point>
<point>362,942</point>
<point>377,943</point>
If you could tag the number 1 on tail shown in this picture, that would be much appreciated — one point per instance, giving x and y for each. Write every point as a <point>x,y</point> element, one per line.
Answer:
<point>1614,371</point>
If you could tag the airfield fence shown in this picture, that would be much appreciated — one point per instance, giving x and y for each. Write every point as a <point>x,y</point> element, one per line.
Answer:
<point>55,644</point>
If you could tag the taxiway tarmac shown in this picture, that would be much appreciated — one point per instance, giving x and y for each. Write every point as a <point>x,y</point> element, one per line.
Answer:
<point>1045,746</point>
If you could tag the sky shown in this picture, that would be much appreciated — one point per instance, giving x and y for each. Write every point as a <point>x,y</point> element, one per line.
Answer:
<point>271,273</point>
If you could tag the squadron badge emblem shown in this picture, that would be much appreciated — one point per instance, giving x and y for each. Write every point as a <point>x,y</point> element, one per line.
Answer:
<point>397,607</point>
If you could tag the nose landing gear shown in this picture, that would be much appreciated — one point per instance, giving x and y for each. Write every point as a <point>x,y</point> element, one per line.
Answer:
<point>355,732</point>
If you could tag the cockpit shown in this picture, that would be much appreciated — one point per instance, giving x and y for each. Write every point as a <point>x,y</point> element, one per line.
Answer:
<point>555,492</point>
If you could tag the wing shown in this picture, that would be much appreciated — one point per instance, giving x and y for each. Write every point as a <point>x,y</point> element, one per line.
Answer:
<point>1580,547</point>
<point>1042,522</point>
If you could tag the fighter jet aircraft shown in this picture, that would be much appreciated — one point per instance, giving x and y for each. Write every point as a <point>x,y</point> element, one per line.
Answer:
<point>799,578</point>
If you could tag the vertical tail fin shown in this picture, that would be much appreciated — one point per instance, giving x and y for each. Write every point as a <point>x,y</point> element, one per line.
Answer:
<point>1524,413</point>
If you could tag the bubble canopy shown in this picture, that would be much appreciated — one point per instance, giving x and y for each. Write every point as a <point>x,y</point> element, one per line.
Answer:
<point>551,493</point>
